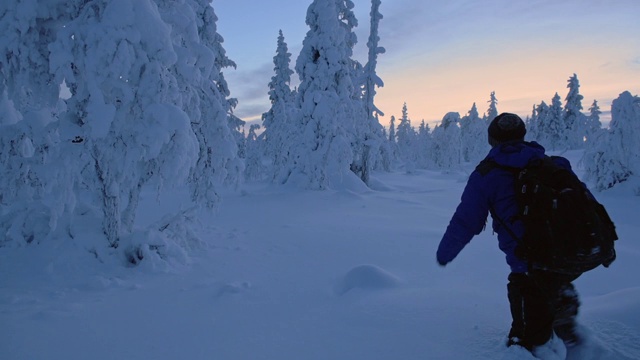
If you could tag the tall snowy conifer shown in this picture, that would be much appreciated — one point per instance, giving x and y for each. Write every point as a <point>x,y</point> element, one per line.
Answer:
<point>574,120</point>
<point>115,56</point>
<point>279,129</point>
<point>323,153</point>
<point>372,148</point>
<point>218,130</point>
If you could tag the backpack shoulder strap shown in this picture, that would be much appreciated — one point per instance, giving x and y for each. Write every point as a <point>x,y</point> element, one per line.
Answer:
<point>486,166</point>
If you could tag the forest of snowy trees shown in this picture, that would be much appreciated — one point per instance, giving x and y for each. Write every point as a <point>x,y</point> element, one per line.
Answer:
<point>101,99</point>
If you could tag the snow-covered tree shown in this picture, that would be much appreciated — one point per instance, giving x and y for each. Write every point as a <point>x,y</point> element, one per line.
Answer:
<point>593,124</point>
<point>254,166</point>
<point>533,126</point>
<point>406,140</point>
<point>615,155</point>
<point>625,127</point>
<point>279,129</point>
<point>473,131</point>
<point>322,154</point>
<point>392,129</point>
<point>115,56</point>
<point>447,142</point>
<point>392,141</point>
<point>424,146</point>
<point>374,149</point>
<point>37,171</point>
<point>550,120</point>
<point>574,120</point>
<point>27,30</point>
<point>492,111</point>
<point>218,130</point>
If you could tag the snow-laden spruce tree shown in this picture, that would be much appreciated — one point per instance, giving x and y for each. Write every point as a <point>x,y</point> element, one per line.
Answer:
<point>205,95</point>
<point>551,124</point>
<point>473,131</point>
<point>406,141</point>
<point>392,129</point>
<point>593,124</point>
<point>123,109</point>
<point>392,141</point>
<point>574,120</point>
<point>279,130</point>
<point>625,127</point>
<point>218,130</point>
<point>532,124</point>
<point>492,111</point>
<point>373,149</point>
<point>37,167</point>
<point>424,146</point>
<point>543,127</point>
<point>254,165</point>
<point>322,154</point>
<point>615,155</point>
<point>447,143</point>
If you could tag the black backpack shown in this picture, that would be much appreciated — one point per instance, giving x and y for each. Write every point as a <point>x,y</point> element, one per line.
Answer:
<point>566,229</point>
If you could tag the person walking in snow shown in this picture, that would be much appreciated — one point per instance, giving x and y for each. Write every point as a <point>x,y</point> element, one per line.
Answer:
<point>541,302</point>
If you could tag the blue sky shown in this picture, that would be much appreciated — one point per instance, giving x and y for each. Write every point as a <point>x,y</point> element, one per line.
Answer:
<point>445,55</point>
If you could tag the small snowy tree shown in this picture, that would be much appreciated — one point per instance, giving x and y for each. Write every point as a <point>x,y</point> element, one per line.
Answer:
<point>551,124</point>
<point>593,124</point>
<point>574,120</point>
<point>533,126</point>
<point>392,129</point>
<point>492,112</point>
<point>447,142</point>
<point>473,132</point>
<point>406,136</point>
<point>424,146</point>
<point>254,166</point>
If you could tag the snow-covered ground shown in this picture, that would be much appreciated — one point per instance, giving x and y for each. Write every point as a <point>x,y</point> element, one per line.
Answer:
<point>281,273</point>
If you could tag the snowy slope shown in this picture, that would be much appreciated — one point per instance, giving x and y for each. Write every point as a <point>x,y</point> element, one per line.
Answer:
<point>283,274</point>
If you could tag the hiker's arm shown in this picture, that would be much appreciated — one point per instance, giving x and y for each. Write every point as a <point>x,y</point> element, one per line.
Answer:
<point>468,220</point>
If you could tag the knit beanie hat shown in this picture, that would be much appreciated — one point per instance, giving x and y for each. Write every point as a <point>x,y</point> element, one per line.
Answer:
<point>506,127</point>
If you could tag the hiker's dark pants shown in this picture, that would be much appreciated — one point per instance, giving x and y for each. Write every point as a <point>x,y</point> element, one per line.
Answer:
<point>542,302</point>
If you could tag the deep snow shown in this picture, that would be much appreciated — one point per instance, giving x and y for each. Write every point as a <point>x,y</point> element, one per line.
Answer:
<point>280,273</point>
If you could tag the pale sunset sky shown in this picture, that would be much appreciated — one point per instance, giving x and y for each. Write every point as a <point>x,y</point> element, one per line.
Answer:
<point>443,56</point>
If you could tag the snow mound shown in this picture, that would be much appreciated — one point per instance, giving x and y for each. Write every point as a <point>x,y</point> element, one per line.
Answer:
<point>366,277</point>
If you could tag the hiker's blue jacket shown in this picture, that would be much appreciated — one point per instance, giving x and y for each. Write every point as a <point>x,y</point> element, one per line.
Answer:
<point>492,190</point>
